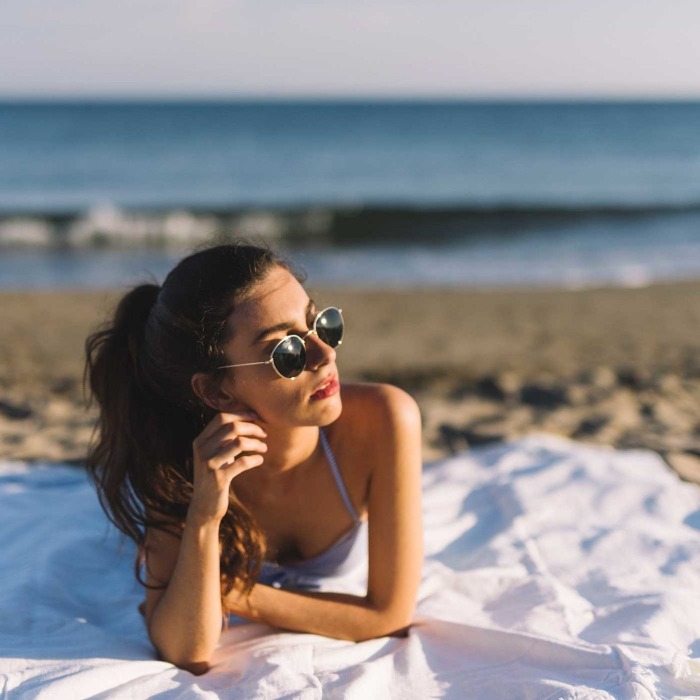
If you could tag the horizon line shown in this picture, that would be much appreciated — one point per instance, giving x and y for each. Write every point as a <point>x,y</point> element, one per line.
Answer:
<point>347,98</point>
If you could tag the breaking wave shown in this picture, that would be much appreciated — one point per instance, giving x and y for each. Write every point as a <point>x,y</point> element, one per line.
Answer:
<point>111,227</point>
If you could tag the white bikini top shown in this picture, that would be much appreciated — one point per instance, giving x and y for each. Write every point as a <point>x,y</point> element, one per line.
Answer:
<point>346,556</point>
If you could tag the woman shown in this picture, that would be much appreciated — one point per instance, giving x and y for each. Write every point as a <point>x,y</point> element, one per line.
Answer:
<point>226,452</point>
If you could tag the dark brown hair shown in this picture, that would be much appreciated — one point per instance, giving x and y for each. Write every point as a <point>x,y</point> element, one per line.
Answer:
<point>139,369</point>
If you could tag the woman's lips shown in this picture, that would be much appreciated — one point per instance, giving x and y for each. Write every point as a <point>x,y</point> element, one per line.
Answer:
<point>332,386</point>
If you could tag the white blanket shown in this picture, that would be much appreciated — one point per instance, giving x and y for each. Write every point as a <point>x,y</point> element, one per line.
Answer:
<point>553,570</point>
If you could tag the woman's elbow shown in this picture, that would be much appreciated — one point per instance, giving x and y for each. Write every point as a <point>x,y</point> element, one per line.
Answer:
<point>196,665</point>
<point>196,668</point>
<point>195,660</point>
<point>390,623</point>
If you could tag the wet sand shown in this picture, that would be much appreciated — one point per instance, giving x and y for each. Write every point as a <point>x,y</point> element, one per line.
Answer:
<point>612,366</point>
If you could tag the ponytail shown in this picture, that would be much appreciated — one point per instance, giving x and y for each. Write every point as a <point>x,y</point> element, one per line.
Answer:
<point>115,377</point>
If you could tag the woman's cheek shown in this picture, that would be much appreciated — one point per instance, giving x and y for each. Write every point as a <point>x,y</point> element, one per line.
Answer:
<point>278,404</point>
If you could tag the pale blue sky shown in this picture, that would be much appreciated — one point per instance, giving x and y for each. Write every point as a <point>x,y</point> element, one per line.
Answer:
<point>470,48</point>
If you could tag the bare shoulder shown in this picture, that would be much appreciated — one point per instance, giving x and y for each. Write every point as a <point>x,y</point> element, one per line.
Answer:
<point>379,435</point>
<point>379,408</point>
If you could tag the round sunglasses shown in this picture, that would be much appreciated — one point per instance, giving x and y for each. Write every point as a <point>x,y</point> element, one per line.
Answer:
<point>288,357</point>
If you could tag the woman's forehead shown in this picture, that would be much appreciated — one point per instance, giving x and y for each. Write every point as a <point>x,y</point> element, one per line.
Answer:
<point>276,298</point>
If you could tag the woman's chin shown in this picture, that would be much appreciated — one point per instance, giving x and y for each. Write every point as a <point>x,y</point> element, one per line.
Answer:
<point>328,410</point>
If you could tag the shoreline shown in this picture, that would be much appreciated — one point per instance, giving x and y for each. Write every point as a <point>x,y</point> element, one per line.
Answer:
<point>609,365</point>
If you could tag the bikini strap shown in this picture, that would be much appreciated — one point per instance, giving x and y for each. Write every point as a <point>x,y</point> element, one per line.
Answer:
<point>337,476</point>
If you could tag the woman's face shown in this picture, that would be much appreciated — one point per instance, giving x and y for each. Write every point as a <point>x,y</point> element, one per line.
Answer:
<point>279,306</point>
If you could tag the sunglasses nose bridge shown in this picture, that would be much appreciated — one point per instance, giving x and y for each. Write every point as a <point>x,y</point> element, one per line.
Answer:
<point>318,352</point>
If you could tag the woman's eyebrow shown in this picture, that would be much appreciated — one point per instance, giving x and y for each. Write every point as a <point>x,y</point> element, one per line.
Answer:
<point>283,325</point>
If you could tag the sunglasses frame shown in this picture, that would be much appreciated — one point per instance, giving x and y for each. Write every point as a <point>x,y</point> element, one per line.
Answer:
<point>302,339</point>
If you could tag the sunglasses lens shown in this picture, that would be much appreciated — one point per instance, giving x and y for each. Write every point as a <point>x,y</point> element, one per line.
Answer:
<point>289,357</point>
<point>330,327</point>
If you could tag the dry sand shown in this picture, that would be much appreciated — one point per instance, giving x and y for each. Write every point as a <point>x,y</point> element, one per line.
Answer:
<point>613,366</point>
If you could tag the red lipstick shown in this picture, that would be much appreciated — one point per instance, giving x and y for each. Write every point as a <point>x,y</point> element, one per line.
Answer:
<point>328,388</point>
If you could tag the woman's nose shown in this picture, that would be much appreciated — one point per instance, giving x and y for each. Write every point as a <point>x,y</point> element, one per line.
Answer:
<point>318,353</point>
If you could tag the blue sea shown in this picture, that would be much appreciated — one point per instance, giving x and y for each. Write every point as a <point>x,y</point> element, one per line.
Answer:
<point>364,193</point>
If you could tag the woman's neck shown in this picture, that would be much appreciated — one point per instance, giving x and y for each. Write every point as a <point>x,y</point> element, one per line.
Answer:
<point>288,448</point>
<point>289,451</point>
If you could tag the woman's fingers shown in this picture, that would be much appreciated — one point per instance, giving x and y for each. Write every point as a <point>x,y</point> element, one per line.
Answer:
<point>230,431</point>
<point>227,452</point>
<point>242,464</point>
<point>227,435</point>
<point>230,444</point>
<point>224,421</point>
<point>229,427</point>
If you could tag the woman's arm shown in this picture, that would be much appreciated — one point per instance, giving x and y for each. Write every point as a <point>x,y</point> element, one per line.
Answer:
<point>184,615</point>
<point>392,426</point>
<point>184,619</point>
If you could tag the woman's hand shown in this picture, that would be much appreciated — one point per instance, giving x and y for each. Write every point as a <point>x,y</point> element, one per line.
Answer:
<point>229,445</point>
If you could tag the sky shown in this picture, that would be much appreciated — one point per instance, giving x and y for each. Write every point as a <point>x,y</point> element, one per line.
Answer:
<point>353,48</point>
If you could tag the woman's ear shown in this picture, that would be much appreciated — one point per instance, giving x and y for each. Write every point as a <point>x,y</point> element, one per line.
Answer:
<point>213,394</point>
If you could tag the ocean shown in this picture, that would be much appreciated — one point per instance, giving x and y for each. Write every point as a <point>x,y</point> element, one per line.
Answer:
<point>365,193</point>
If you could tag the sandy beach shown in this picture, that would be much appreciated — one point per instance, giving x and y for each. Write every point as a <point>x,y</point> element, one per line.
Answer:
<point>612,366</point>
